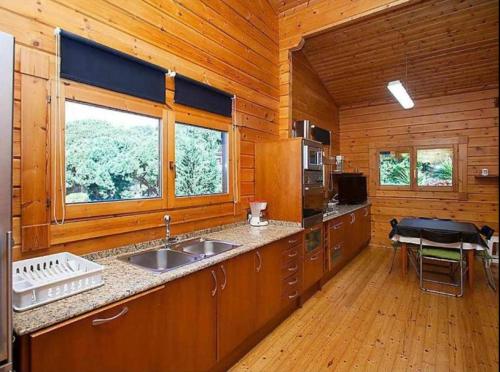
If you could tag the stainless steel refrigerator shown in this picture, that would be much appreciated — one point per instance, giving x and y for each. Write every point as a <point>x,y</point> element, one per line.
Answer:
<point>6,108</point>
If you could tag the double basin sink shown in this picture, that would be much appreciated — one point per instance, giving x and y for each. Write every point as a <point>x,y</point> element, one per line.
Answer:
<point>179,254</point>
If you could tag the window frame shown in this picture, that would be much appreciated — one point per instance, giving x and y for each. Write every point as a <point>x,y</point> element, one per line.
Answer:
<point>191,116</point>
<point>460,181</point>
<point>406,149</point>
<point>85,94</point>
<point>454,178</point>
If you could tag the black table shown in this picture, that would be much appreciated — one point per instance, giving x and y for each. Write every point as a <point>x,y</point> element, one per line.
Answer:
<point>408,230</point>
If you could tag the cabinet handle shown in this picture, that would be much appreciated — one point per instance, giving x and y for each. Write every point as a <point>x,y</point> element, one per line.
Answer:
<point>214,291</point>
<point>366,212</point>
<point>315,257</point>
<point>294,254</point>
<point>260,261</point>
<point>293,241</point>
<point>291,297</point>
<point>97,322</point>
<point>225,277</point>
<point>337,247</point>
<point>353,218</point>
<point>295,268</point>
<point>293,282</point>
<point>338,226</point>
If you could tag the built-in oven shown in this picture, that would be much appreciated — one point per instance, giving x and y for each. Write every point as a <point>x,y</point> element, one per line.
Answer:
<point>313,155</point>
<point>313,238</point>
<point>313,198</point>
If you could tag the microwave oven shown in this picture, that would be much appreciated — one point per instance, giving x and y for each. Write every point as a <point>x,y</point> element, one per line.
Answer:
<point>313,155</point>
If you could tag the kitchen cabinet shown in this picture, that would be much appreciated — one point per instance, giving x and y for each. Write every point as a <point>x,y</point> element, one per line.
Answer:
<point>198,322</point>
<point>237,300</point>
<point>120,338</point>
<point>188,324</point>
<point>336,242</point>
<point>269,281</point>
<point>313,268</point>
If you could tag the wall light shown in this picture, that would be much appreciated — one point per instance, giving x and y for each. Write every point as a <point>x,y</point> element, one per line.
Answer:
<point>399,92</point>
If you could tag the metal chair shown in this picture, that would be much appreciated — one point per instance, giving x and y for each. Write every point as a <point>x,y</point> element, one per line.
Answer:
<point>395,245</point>
<point>487,256</point>
<point>451,254</point>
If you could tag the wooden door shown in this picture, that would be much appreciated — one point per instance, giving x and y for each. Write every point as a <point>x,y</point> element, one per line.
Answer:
<point>236,302</point>
<point>336,236</point>
<point>269,281</point>
<point>188,336</point>
<point>119,338</point>
<point>351,236</point>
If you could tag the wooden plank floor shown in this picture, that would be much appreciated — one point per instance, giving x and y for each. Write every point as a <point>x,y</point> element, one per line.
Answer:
<point>366,319</point>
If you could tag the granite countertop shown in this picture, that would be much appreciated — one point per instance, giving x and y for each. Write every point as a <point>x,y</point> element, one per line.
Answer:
<point>344,209</point>
<point>122,280</point>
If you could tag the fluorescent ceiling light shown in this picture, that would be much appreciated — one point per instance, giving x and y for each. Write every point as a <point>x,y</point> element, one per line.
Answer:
<point>399,92</point>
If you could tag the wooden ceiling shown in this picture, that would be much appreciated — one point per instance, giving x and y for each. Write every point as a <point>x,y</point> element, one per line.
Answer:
<point>447,46</point>
<point>282,5</point>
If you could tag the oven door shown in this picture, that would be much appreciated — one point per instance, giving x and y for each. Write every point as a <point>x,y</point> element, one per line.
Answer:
<point>313,238</point>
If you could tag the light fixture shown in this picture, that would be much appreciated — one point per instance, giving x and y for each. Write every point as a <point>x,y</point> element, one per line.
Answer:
<point>399,92</point>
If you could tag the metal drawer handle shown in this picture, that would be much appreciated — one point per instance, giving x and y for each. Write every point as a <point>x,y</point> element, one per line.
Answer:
<point>292,241</point>
<point>353,218</point>
<point>293,255</point>
<point>337,247</point>
<point>315,257</point>
<point>366,212</point>
<point>291,297</point>
<point>225,277</point>
<point>97,322</point>
<point>260,261</point>
<point>338,226</point>
<point>214,291</point>
<point>293,268</point>
<point>293,282</point>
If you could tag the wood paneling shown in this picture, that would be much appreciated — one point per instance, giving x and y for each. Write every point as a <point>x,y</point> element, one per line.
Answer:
<point>471,115</point>
<point>307,19</point>
<point>282,5</point>
<point>366,319</point>
<point>437,47</point>
<point>231,45</point>
<point>310,98</point>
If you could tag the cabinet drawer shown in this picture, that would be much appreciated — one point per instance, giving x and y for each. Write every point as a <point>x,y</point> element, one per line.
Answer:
<point>291,289</point>
<point>313,268</point>
<point>293,241</point>
<point>292,253</point>
<point>290,267</point>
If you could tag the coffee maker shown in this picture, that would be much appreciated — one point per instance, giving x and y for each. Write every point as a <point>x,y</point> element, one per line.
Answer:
<point>256,209</point>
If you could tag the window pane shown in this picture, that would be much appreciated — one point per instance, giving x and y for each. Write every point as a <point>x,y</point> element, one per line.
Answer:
<point>394,168</point>
<point>435,167</point>
<point>200,161</point>
<point>110,154</point>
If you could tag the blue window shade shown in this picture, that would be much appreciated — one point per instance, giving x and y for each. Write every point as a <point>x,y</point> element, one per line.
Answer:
<point>88,62</point>
<point>192,93</point>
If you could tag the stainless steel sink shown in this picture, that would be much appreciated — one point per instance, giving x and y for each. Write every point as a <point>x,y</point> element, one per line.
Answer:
<point>205,247</point>
<point>161,260</point>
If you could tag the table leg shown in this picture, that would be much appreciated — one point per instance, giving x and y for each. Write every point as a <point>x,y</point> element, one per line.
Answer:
<point>470,264</point>
<point>404,259</point>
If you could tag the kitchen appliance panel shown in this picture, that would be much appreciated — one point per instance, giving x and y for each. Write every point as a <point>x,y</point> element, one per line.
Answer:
<point>6,108</point>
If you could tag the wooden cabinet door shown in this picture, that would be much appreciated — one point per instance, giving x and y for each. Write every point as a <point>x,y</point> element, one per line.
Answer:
<point>236,301</point>
<point>269,281</point>
<point>336,236</point>
<point>367,229</point>
<point>119,338</point>
<point>313,268</point>
<point>351,235</point>
<point>188,336</point>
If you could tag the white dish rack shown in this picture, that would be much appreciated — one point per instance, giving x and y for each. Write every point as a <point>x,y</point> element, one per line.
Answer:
<point>37,281</point>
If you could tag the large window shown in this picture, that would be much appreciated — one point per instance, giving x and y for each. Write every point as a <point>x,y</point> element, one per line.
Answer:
<point>201,161</point>
<point>417,168</point>
<point>110,154</point>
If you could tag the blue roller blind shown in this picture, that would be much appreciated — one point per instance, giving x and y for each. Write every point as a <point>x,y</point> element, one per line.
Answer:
<point>91,63</point>
<point>192,93</point>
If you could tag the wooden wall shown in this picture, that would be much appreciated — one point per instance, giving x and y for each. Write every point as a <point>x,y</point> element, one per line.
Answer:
<point>309,18</point>
<point>230,44</point>
<point>474,115</point>
<point>311,100</point>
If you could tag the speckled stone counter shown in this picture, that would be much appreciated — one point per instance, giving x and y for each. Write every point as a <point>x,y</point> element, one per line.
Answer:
<point>345,209</point>
<point>122,280</point>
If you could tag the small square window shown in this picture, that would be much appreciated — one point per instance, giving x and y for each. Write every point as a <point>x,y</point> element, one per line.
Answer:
<point>201,161</point>
<point>435,167</point>
<point>395,167</point>
<point>110,155</point>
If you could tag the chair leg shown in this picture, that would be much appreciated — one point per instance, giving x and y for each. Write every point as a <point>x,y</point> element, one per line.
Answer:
<point>489,274</point>
<point>395,249</point>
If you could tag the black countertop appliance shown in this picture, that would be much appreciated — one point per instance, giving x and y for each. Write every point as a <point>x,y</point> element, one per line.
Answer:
<point>350,187</point>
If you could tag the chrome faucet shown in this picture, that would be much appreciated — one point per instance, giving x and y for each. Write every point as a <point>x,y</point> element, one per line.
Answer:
<point>167,220</point>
